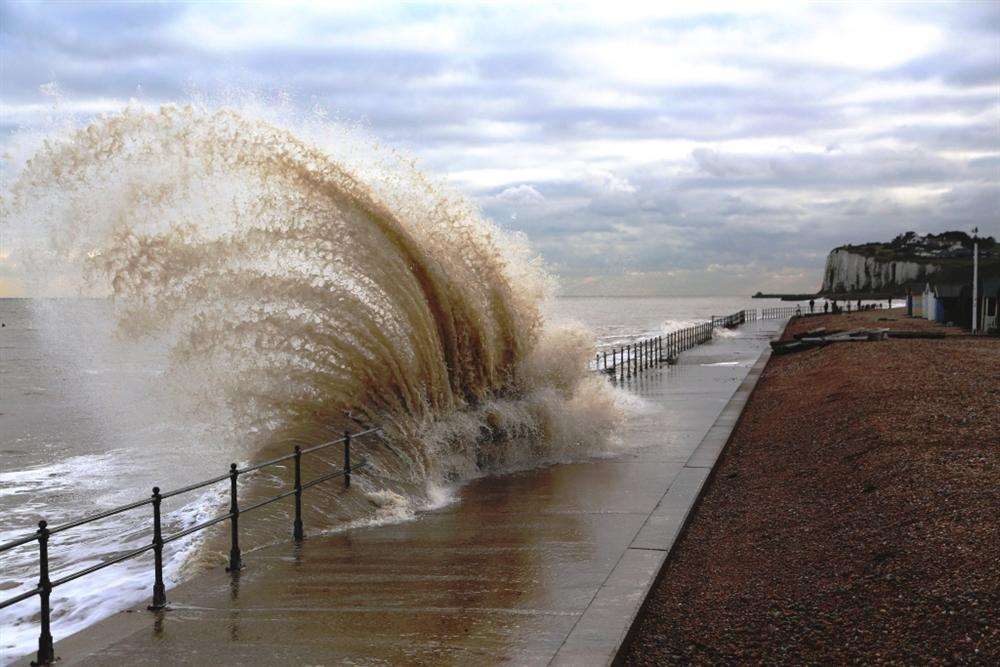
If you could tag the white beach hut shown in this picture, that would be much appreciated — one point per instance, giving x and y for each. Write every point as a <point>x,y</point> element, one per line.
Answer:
<point>930,304</point>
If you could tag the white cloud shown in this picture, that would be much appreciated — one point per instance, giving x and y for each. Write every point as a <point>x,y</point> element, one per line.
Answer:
<point>522,195</point>
<point>610,183</point>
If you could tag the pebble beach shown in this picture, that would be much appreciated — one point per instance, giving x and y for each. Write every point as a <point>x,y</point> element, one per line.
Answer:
<point>854,515</point>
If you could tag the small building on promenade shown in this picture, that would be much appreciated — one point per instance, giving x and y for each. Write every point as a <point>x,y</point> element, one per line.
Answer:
<point>949,302</point>
<point>989,310</point>
<point>932,306</point>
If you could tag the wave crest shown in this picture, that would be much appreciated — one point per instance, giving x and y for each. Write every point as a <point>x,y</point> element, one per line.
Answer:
<point>297,300</point>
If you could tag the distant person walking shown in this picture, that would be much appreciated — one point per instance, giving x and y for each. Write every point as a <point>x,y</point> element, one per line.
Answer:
<point>826,306</point>
<point>812,304</point>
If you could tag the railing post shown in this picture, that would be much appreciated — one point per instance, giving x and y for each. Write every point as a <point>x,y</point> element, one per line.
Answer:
<point>605,353</point>
<point>159,590</point>
<point>297,531</point>
<point>46,654</point>
<point>235,558</point>
<point>347,459</point>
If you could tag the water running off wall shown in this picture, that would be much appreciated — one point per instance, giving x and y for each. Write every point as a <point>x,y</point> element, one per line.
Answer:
<point>294,295</point>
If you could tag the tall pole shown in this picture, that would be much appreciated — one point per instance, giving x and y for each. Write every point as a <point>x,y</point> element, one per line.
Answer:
<point>975,277</point>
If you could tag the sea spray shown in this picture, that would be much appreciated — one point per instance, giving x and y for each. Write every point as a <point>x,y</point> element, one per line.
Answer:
<point>290,295</point>
<point>296,301</point>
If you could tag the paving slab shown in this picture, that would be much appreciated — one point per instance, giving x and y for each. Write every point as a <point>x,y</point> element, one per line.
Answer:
<point>662,527</point>
<point>544,566</point>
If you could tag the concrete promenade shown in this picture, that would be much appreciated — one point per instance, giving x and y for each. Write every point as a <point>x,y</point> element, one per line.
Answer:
<point>547,566</point>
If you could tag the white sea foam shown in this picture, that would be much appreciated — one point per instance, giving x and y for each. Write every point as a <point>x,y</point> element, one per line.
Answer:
<point>82,602</point>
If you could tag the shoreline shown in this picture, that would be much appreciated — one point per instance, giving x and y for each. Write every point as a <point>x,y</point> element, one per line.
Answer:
<point>851,516</point>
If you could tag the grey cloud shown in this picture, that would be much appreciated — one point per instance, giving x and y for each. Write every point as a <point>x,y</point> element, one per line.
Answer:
<point>825,170</point>
<point>611,205</point>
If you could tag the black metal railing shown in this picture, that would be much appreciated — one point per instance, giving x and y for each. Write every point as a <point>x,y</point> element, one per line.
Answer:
<point>779,312</point>
<point>622,362</point>
<point>729,321</point>
<point>626,361</point>
<point>45,654</point>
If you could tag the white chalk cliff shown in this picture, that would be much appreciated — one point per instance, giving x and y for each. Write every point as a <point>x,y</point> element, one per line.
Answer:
<point>848,271</point>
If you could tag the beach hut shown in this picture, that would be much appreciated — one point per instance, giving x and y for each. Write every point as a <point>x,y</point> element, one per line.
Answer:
<point>989,306</point>
<point>927,305</point>
<point>916,305</point>
<point>933,305</point>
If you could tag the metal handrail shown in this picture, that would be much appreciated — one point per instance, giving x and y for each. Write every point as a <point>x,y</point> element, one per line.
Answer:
<point>46,653</point>
<point>627,361</point>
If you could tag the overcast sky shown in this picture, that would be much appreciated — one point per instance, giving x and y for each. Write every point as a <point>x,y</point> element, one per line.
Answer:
<point>706,149</point>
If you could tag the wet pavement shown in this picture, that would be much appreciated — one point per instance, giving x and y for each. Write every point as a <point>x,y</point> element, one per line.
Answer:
<point>512,570</point>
